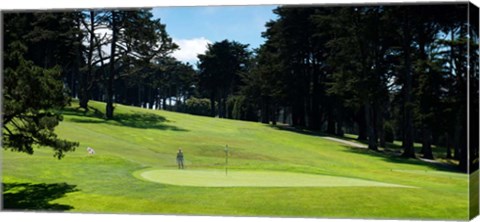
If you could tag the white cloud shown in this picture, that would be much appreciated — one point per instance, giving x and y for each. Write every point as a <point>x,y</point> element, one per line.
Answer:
<point>190,48</point>
<point>100,33</point>
<point>106,48</point>
<point>188,51</point>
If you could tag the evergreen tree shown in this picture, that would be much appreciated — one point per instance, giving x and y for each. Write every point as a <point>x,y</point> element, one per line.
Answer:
<point>219,72</point>
<point>33,93</point>
<point>131,45</point>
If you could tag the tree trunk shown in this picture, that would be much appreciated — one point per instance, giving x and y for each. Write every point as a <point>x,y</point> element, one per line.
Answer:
<point>409,150</point>
<point>462,104</point>
<point>298,113</point>
<point>164,103</point>
<point>447,145</point>
<point>427,143</point>
<point>370,119</point>
<point>314,116</point>
<point>331,124</point>
<point>111,73</point>
<point>463,164</point>
<point>380,125</point>
<point>295,116</point>
<point>220,108</point>
<point>424,106</point>
<point>461,139</point>
<point>285,115</point>
<point>339,128</point>
<point>150,98</point>
<point>212,104</point>
<point>456,139</point>
<point>381,133</point>
<point>274,115</point>
<point>84,91</point>
<point>83,95</point>
<point>158,100</point>
<point>224,106</point>
<point>139,96</point>
<point>265,110</point>
<point>362,125</point>
<point>339,120</point>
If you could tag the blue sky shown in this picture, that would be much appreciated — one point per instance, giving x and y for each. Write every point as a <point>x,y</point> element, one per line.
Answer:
<point>194,27</point>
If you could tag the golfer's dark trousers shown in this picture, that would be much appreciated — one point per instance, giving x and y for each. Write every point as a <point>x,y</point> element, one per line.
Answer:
<point>180,163</point>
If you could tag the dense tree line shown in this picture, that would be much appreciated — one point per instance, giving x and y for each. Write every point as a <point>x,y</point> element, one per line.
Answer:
<point>107,55</point>
<point>383,73</point>
<point>39,50</point>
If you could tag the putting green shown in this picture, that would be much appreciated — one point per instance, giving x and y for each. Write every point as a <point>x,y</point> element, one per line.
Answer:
<point>217,178</point>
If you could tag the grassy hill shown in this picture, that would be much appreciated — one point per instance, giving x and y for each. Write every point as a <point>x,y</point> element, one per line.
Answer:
<point>139,141</point>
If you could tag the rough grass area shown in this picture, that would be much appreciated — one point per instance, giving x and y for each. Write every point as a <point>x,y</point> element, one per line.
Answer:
<point>139,139</point>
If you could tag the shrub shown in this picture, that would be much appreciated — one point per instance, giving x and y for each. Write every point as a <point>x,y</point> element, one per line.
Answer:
<point>197,106</point>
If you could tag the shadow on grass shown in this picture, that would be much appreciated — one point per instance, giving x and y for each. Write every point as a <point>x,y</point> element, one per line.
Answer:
<point>77,111</point>
<point>139,120</point>
<point>396,158</point>
<point>390,154</point>
<point>299,130</point>
<point>27,196</point>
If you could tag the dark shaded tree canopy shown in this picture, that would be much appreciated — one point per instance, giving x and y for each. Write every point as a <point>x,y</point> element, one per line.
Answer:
<point>33,96</point>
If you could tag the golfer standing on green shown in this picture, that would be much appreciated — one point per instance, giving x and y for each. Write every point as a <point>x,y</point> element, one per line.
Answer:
<point>180,158</point>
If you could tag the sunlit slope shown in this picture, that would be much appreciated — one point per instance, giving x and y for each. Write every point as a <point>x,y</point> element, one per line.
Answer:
<point>140,139</point>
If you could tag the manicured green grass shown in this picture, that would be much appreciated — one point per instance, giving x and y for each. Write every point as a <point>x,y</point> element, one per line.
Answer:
<point>242,178</point>
<point>140,140</point>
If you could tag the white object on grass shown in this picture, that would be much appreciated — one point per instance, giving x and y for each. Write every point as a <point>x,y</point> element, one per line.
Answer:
<point>90,150</point>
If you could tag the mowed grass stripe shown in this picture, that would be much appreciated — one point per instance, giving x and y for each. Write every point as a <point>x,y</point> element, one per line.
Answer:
<point>219,178</point>
<point>148,139</point>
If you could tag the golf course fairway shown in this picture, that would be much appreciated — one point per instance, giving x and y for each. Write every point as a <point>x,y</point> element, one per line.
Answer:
<point>272,171</point>
<point>218,178</point>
